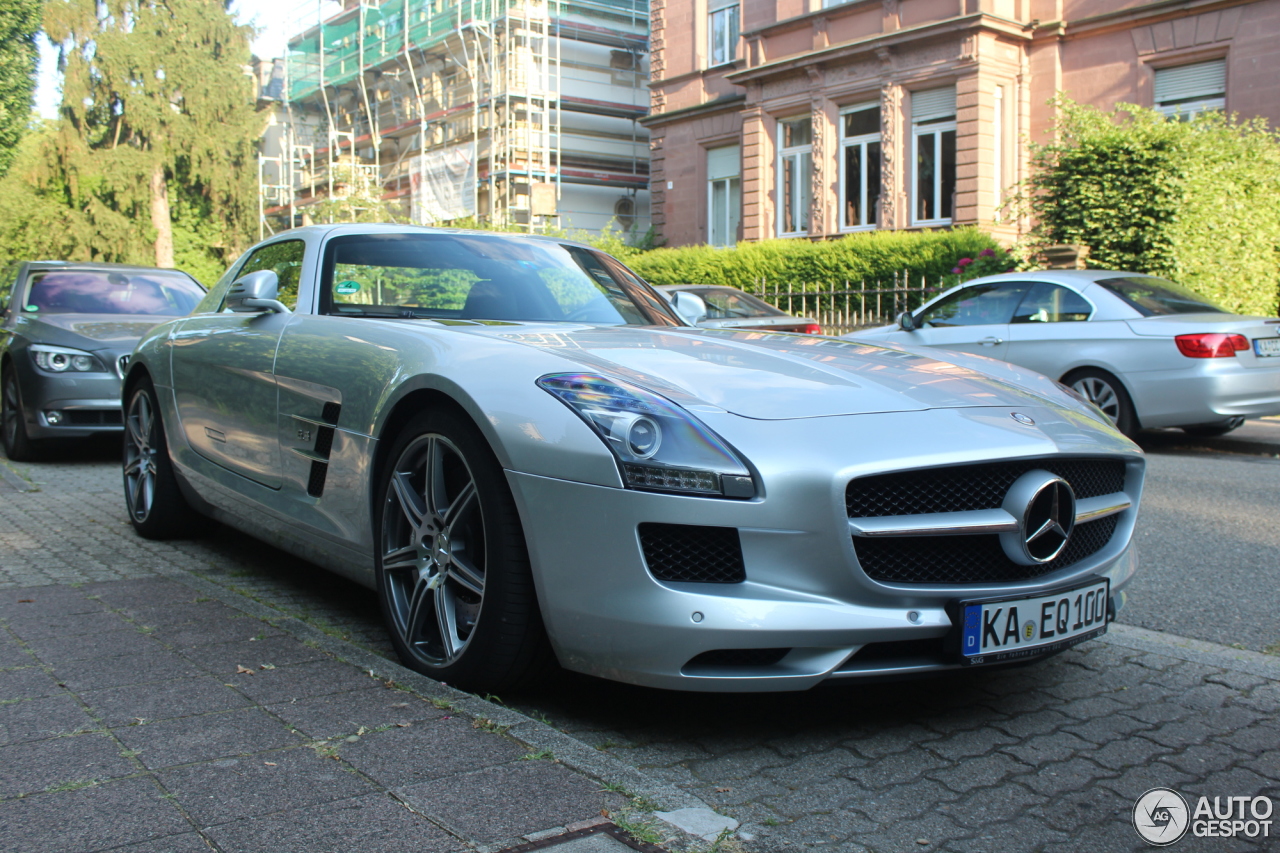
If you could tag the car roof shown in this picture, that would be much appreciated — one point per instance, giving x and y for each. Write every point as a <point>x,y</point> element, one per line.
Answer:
<point>343,229</point>
<point>1077,277</point>
<point>96,266</point>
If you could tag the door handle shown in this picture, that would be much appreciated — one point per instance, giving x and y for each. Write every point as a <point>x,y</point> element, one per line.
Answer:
<point>990,342</point>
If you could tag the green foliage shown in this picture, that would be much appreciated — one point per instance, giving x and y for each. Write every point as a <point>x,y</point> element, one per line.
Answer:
<point>872,257</point>
<point>1193,201</point>
<point>150,90</point>
<point>19,23</point>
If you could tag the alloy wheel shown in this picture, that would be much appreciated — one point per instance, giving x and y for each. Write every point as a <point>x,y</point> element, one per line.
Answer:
<point>433,550</point>
<point>1099,392</point>
<point>139,456</point>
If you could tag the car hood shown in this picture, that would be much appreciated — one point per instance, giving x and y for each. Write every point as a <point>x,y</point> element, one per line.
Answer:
<point>771,376</point>
<point>114,331</point>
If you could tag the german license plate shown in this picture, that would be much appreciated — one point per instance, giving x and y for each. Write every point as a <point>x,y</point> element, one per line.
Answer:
<point>1001,630</point>
<point>1266,346</point>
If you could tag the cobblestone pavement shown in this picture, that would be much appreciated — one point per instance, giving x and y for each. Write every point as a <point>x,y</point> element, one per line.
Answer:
<point>1050,757</point>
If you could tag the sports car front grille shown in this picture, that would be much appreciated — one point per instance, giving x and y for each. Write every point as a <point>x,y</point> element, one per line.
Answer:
<point>958,560</point>
<point>692,553</point>
<point>970,559</point>
<point>965,487</point>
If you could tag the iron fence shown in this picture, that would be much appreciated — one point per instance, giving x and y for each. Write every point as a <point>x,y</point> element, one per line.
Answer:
<point>842,310</point>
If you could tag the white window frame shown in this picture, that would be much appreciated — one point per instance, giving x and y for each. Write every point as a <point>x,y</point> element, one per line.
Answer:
<point>798,154</point>
<point>997,153</point>
<point>934,129</point>
<point>726,51</point>
<point>732,215</point>
<point>864,141</point>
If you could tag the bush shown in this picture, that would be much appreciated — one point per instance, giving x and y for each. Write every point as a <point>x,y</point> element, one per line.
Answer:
<point>1192,201</point>
<point>875,256</point>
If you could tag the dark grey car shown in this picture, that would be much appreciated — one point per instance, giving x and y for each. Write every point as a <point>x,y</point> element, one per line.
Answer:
<point>66,332</point>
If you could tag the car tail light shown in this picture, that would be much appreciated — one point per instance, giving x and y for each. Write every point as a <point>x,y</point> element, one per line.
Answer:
<point>1211,345</point>
<point>811,329</point>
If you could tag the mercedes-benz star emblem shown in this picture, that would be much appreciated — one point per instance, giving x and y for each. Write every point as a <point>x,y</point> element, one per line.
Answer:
<point>1022,419</point>
<point>1045,507</point>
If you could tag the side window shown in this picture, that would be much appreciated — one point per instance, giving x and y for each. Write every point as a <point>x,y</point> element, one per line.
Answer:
<point>212,301</point>
<point>1049,303</point>
<point>285,259</point>
<point>979,305</point>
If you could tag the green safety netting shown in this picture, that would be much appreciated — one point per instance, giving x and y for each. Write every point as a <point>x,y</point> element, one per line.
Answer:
<point>334,51</point>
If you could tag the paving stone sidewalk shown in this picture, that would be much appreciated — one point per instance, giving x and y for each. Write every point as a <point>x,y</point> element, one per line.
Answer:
<point>141,715</point>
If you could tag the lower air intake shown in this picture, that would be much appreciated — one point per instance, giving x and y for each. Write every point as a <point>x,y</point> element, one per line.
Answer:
<point>692,553</point>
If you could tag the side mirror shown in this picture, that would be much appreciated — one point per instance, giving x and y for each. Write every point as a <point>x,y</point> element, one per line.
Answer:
<point>255,293</point>
<point>690,306</point>
<point>907,321</point>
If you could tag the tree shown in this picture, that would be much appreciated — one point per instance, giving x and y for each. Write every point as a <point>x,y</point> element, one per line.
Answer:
<point>1194,201</point>
<point>19,23</point>
<point>155,101</point>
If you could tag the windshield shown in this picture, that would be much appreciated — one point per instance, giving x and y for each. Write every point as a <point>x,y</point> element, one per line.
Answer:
<point>159,293</point>
<point>1150,296</point>
<point>469,277</point>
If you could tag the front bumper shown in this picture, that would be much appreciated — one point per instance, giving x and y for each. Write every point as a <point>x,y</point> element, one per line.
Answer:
<point>804,592</point>
<point>87,403</point>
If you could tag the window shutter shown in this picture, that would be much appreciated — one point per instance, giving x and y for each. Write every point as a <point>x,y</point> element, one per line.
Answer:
<point>1187,82</point>
<point>722,162</point>
<point>933,104</point>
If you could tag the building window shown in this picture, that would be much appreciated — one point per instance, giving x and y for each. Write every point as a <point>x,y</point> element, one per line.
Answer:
<point>997,152</point>
<point>795,172</point>
<point>722,27</point>
<point>1186,90</point>
<point>724,195</point>
<point>859,167</point>
<point>933,138</point>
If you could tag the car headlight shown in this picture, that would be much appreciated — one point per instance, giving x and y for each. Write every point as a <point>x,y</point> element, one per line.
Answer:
<point>659,446</point>
<point>65,360</point>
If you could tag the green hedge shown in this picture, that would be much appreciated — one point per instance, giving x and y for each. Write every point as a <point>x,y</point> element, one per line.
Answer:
<point>1194,201</point>
<point>875,256</point>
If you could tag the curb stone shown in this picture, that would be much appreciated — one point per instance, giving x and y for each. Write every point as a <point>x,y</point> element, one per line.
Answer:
<point>1193,651</point>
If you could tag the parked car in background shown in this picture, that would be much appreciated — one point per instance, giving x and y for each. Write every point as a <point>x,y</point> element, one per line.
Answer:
<point>66,333</point>
<point>530,457</point>
<point>1146,351</point>
<point>720,307</point>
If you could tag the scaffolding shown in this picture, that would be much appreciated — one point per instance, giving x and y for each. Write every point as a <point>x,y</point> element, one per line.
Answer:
<point>520,113</point>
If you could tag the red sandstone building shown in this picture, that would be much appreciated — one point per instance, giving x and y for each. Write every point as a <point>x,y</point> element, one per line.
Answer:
<point>814,118</point>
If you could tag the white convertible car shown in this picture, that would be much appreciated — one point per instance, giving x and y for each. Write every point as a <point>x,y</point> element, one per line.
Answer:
<point>533,459</point>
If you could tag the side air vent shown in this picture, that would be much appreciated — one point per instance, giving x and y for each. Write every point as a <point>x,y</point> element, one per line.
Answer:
<point>323,447</point>
<point>692,553</point>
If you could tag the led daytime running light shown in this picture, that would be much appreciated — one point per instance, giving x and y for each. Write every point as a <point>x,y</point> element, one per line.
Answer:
<point>658,445</point>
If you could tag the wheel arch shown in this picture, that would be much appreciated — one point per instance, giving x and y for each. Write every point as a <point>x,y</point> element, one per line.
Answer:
<point>404,410</point>
<point>1097,368</point>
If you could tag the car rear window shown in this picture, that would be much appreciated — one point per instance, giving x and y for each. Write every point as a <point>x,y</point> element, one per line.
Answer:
<point>158,293</point>
<point>1150,296</point>
<point>726,303</point>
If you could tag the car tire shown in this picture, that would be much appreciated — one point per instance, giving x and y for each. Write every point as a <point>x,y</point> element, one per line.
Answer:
<point>452,568</point>
<point>1108,394</point>
<point>18,446</point>
<point>156,506</point>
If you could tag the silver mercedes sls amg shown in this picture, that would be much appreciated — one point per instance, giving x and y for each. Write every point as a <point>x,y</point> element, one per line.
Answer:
<point>532,459</point>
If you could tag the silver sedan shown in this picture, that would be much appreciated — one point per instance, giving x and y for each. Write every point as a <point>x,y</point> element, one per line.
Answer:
<point>532,459</point>
<point>1147,352</point>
